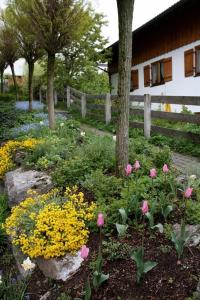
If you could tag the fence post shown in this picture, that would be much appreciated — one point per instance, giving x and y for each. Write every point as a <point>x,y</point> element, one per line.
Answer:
<point>40,94</point>
<point>83,105</point>
<point>108,105</point>
<point>68,97</point>
<point>55,97</point>
<point>147,116</point>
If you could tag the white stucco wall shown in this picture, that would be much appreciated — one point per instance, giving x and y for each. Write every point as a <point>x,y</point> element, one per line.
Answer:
<point>179,86</point>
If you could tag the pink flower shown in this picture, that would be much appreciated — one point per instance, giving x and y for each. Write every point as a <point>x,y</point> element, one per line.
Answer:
<point>100,220</point>
<point>84,252</point>
<point>136,165</point>
<point>128,170</point>
<point>188,192</point>
<point>153,173</point>
<point>145,207</point>
<point>165,168</point>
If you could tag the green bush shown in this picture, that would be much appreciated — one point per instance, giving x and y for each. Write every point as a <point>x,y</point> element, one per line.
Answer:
<point>193,212</point>
<point>104,187</point>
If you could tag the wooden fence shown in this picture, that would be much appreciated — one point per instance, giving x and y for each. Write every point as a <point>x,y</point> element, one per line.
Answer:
<point>103,107</point>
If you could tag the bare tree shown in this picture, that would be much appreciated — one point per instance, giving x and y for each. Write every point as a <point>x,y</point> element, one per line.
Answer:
<point>125,17</point>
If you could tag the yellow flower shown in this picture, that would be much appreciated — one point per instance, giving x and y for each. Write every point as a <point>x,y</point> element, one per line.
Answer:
<point>49,225</point>
<point>7,151</point>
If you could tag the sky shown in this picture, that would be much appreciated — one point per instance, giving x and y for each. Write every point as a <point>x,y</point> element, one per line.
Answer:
<point>144,10</point>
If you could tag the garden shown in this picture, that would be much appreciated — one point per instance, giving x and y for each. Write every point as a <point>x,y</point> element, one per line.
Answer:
<point>135,237</point>
<point>86,215</point>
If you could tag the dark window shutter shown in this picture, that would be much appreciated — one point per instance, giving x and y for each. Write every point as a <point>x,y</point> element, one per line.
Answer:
<point>189,62</point>
<point>147,76</point>
<point>134,79</point>
<point>168,69</point>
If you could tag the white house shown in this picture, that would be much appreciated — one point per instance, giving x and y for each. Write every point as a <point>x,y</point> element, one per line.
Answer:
<point>166,54</point>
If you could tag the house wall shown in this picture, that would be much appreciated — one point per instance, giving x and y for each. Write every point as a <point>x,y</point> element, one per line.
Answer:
<point>179,86</point>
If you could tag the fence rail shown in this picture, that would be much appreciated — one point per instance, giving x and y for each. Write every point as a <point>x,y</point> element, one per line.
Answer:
<point>91,104</point>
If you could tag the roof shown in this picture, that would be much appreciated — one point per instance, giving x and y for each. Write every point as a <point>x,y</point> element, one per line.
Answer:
<point>155,20</point>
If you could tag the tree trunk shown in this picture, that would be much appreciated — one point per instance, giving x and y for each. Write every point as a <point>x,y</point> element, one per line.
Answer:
<point>14,80</point>
<point>30,84</point>
<point>2,71</point>
<point>50,94</point>
<point>125,17</point>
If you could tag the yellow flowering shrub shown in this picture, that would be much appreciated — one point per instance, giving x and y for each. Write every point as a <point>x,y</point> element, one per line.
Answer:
<point>50,225</point>
<point>7,151</point>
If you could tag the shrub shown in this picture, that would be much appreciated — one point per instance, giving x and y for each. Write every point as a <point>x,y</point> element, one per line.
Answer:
<point>193,212</point>
<point>105,188</point>
<point>50,225</point>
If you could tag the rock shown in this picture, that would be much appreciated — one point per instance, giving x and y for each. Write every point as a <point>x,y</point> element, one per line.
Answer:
<point>19,258</point>
<point>60,268</point>
<point>194,231</point>
<point>45,296</point>
<point>19,157</point>
<point>19,181</point>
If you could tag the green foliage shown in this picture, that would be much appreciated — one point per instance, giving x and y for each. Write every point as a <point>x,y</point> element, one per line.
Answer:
<point>3,215</point>
<point>142,266</point>
<point>8,114</point>
<point>105,188</point>
<point>116,250</point>
<point>122,228</point>
<point>179,239</point>
<point>193,212</point>
<point>12,289</point>
<point>98,277</point>
<point>97,153</point>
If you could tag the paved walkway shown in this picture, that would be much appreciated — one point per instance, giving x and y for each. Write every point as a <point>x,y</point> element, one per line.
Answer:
<point>184,163</point>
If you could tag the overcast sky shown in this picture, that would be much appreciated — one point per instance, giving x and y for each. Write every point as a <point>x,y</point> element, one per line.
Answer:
<point>144,11</point>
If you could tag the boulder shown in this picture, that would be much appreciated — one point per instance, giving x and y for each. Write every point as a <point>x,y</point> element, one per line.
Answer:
<point>19,181</point>
<point>60,268</point>
<point>194,231</point>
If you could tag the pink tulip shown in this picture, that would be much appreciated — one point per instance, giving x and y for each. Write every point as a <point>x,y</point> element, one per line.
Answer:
<point>128,170</point>
<point>188,192</point>
<point>145,207</point>
<point>84,252</point>
<point>165,168</point>
<point>136,165</point>
<point>100,220</point>
<point>153,173</point>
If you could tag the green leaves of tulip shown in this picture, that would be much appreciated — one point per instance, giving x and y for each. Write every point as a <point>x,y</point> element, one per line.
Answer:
<point>142,266</point>
<point>166,210</point>
<point>98,277</point>
<point>179,239</point>
<point>158,226</point>
<point>122,228</point>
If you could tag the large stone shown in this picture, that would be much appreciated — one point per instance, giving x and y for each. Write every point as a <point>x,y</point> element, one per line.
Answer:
<point>194,234</point>
<point>19,181</point>
<point>60,268</point>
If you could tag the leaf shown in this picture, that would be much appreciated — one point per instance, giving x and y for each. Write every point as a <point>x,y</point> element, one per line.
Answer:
<point>121,229</point>
<point>123,215</point>
<point>167,210</point>
<point>150,218</point>
<point>159,226</point>
<point>138,256</point>
<point>88,291</point>
<point>149,265</point>
<point>103,278</point>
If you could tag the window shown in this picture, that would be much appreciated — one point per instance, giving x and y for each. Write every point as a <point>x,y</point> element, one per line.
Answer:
<point>134,80</point>
<point>157,72</point>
